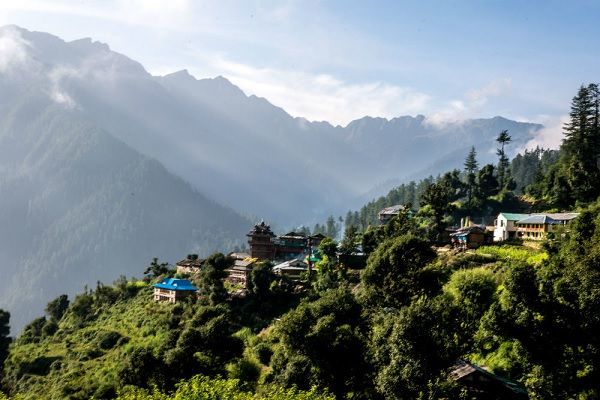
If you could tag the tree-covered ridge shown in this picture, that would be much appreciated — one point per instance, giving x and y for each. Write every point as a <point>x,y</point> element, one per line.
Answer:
<point>114,336</point>
<point>394,330</point>
<point>479,192</point>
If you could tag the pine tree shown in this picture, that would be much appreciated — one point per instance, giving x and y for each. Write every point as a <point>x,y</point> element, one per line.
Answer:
<point>331,228</point>
<point>503,173</point>
<point>349,243</point>
<point>582,144</point>
<point>471,175</point>
<point>5,339</point>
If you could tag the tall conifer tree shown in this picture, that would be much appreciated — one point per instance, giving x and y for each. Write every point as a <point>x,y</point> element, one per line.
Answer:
<point>582,144</point>
<point>503,163</point>
<point>471,166</point>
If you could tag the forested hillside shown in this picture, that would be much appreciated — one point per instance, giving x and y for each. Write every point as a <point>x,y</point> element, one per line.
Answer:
<point>527,312</point>
<point>395,336</point>
<point>241,150</point>
<point>78,206</point>
<point>104,167</point>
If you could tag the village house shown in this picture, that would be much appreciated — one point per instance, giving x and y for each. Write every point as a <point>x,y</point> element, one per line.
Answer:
<point>241,269</point>
<point>482,384</point>
<point>529,226</point>
<point>173,290</point>
<point>316,239</point>
<point>191,265</point>
<point>260,240</point>
<point>388,213</point>
<point>292,269</point>
<point>265,245</point>
<point>290,245</point>
<point>470,237</point>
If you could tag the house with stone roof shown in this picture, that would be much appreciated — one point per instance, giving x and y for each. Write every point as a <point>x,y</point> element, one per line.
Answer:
<point>388,213</point>
<point>190,265</point>
<point>529,226</point>
<point>240,270</point>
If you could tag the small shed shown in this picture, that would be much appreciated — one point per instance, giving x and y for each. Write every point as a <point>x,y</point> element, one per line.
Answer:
<point>469,238</point>
<point>482,384</point>
<point>173,290</point>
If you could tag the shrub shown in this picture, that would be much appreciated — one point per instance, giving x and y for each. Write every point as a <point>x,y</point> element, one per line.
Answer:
<point>50,328</point>
<point>108,340</point>
<point>263,353</point>
<point>245,370</point>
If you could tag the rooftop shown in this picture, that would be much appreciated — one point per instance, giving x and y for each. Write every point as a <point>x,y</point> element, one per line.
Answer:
<point>392,210</point>
<point>514,216</point>
<point>176,284</point>
<point>469,229</point>
<point>261,229</point>
<point>462,369</point>
<point>292,264</point>
<point>540,218</point>
<point>190,262</point>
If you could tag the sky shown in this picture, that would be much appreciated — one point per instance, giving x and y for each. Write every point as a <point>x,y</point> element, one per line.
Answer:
<point>341,60</point>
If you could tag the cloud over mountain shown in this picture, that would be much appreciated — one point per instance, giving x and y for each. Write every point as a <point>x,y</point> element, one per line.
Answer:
<point>104,163</point>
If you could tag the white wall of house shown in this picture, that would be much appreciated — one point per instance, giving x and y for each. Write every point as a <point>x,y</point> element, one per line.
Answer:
<point>503,228</point>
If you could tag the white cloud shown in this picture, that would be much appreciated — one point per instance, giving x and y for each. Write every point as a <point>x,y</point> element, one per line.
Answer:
<point>56,91</point>
<point>549,137</point>
<point>172,14</point>
<point>13,50</point>
<point>321,97</point>
<point>471,105</point>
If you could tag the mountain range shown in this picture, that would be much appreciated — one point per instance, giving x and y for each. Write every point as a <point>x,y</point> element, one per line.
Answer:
<point>103,165</point>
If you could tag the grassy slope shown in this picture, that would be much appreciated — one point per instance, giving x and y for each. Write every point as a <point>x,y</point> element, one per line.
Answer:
<point>72,361</point>
<point>73,364</point>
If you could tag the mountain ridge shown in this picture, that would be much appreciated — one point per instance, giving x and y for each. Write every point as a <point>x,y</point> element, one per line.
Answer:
<point>215,150</point>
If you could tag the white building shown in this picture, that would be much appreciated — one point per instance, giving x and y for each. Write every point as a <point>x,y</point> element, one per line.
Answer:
<point>529,226</point>
<point>505,225</point>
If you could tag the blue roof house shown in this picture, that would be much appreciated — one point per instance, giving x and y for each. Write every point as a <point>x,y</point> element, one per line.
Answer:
<point>172,290</point>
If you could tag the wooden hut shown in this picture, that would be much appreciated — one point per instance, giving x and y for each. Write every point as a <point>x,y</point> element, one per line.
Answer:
<point>484,385</point>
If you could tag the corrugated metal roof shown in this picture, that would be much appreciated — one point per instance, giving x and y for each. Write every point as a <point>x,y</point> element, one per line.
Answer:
<point>553,218</point>
<point>463,368</point>
<point>291,264</point>
<point>566,216</point>
<point>392,210</point>
<point>537,219</point>
<point>176,284</point>
<point>514,216</point>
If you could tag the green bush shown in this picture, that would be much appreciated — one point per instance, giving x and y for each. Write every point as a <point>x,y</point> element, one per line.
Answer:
<point>263,353</point>
<point>245,370</point>
<point>204,388</point>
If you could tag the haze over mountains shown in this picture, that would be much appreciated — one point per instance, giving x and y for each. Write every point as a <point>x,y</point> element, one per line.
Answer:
<point>103,166</point>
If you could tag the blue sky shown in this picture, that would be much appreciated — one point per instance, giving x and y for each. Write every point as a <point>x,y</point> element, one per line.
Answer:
<point>340,60</point>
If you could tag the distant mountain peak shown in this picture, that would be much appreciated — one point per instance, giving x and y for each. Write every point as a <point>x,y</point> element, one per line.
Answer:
<point>182,75</point>
<point>89,43</point>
